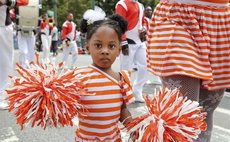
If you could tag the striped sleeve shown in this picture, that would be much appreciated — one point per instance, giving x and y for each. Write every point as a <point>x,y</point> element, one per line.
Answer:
<point>128,93</point>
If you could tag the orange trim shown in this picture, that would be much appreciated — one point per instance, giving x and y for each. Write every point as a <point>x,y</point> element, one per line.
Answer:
<point>216,1</point>
<point>193,6</point>
<point>98,134</point>
<point>179,72</point>
<point>95,139</point>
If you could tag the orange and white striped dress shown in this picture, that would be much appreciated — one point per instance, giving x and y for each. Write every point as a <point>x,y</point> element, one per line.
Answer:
<point>101,123</point>
<point>192,38</point>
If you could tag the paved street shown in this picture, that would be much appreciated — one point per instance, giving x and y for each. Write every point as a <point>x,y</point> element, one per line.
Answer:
<point>10,132</point>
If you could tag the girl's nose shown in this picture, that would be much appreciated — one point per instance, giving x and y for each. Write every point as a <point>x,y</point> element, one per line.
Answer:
<point>105,51</point>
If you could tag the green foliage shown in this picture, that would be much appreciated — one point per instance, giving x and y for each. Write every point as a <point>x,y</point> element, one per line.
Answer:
<point>78,7</point>
<point>151,3</point>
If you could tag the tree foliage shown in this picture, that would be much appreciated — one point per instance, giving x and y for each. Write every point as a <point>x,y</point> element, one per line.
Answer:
<point>78,7</point>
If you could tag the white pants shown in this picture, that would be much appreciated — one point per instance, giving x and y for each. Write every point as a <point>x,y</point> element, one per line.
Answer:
<point>137,56</point>
<point>26,47</point>
<point>71,49</point>
<point>46,44</point>
<point>6,57</point>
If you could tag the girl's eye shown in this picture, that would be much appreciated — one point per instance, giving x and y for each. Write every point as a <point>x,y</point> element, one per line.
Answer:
<point>97,45</point>
<point>112,46</point>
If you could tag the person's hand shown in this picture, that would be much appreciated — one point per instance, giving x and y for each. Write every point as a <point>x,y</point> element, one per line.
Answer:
<point>142,35</point>
<point>67,43</point>
<point>134,136</point>
<point>125,50</point>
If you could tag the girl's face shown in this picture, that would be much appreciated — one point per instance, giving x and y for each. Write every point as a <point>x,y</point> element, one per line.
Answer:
<point>104,47</point>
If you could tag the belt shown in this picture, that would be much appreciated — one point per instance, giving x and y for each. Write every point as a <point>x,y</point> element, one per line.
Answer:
<point>130,41</point>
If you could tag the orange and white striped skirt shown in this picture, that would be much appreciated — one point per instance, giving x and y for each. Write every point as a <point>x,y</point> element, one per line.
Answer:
<point>192,40</point>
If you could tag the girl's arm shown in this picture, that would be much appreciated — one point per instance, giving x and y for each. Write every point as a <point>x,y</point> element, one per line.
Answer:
<point>125,116</point>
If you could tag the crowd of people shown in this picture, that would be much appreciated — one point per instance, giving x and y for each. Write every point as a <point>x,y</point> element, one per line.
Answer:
<point>185,43</point>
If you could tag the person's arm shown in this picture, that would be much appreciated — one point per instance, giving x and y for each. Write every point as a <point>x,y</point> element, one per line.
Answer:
<point>144,22</point>
<point>144,29</point>
<point>13,3</point>
<point>126,118</point>
<point>122,11</point>
<point>64,33</point>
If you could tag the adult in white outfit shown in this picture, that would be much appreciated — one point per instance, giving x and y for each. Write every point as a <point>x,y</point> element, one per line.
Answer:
<point>133,49</point>
<point>46,27</point>
<point>26,44</point>
<point>69,40</point>
<point>6,46</point>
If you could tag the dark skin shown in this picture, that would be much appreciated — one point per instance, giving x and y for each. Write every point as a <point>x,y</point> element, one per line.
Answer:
<point>1,3</point>
<point>104,47</point>
<point>125,50</point>
<point>148,11</point>
<point>142,34</point>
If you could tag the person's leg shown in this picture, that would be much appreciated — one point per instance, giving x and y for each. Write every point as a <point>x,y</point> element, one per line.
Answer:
<point>209,100</point>
<point>6,62</point>
<point>189,86</point>
<point>45,46</point>
<point>52,47</point>
<point>55,47</point>
<point>49,43</point>
<point>66,51</point>
<point>31,49</point>
<point>74,51</point>
<point>142,73</point>
<point>23,49</point>
<point>126,62</point>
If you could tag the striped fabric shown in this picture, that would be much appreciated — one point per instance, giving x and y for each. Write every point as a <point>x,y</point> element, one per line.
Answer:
<point>104,107</point>
<point>191,40</point>
<point>216,1</point>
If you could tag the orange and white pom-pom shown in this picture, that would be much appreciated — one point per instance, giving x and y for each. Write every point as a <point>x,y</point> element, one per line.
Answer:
<point>171,117</point>
<point>44,97</point>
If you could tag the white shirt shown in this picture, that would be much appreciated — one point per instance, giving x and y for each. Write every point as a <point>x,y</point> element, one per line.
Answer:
<point>78,36</point>
<point>54,34</point>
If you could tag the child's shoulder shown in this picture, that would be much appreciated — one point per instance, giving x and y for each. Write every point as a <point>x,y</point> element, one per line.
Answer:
<point>126,73</point>
<point>84,70</point>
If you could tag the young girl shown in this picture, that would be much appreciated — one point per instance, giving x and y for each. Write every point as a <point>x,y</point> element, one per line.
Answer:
<point>112,89</point>
<point>188,47</point>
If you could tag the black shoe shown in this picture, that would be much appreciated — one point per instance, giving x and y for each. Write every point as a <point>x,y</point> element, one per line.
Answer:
<point>135,69</point>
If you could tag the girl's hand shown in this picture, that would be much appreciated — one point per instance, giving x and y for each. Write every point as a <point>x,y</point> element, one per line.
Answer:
<point>134,136</point>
